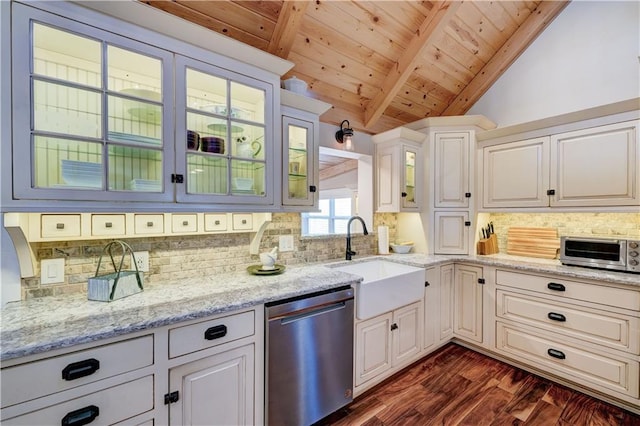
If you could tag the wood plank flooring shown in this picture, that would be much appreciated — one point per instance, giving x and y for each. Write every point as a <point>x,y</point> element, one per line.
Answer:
<point>457,386</point>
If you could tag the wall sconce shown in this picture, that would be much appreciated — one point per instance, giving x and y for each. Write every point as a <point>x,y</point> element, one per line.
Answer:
<point>345,135</point>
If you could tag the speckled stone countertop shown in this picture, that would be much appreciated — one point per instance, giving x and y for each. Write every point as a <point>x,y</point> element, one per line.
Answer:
<point>39,325</point>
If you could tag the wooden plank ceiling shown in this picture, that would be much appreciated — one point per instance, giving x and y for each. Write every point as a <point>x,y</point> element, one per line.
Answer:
<point>382,64</point>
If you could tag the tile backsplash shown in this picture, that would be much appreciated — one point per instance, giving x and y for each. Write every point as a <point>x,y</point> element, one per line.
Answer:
<point>174,258</point>
<point>599,225</point>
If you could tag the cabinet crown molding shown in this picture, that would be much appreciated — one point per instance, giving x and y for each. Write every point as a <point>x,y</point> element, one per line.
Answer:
<point>397,133</point>
<point>464,121</point>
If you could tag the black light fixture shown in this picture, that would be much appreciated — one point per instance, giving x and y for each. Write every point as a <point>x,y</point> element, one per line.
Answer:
<point>345,135</point>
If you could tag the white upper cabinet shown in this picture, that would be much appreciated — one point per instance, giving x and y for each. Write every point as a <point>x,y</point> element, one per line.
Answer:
<point>100,117</point>
<point>593,167</point>
<point>596,167</point>
<point>516,174</point>
<point>399,170</point>
<point>452,170</point>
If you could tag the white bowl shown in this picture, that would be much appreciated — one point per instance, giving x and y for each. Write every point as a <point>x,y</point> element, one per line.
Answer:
<point>243,184</point>
<point>295,85</point>
<point>401,248</point>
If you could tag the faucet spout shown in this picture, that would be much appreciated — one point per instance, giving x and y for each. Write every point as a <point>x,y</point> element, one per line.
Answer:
<point>350,252</point>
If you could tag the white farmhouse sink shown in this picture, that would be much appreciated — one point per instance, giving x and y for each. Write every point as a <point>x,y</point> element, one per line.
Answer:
<point>386,286</point>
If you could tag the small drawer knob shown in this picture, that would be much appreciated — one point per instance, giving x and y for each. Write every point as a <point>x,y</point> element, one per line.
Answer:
<point>59,225</point>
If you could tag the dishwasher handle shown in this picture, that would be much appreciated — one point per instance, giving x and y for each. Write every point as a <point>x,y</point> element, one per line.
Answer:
<point>288,319</point>
<point>307,302</point>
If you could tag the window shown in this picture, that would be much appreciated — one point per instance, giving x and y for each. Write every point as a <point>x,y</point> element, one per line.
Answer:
<point>331,219</point>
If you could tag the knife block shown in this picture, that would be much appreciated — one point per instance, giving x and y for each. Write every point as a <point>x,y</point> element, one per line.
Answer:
<point>488,245</point>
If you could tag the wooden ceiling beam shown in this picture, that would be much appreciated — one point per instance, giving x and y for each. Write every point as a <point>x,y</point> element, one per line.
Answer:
<point>338,169</point>
<point>287,27</point>
<point>533,26</point>
<point>434,23</point>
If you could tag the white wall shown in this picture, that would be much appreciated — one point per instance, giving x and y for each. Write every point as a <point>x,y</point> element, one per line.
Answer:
<point>587,57</point>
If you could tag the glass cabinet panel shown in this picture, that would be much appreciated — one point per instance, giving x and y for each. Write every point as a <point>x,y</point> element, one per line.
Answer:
<point>298,165</point>
<point>224,138</point>
<point>96,115</point>
<point>409,176</point>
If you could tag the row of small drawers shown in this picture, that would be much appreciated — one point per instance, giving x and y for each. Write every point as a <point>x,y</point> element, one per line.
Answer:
<point>29,381</point>
<point>113,225</point>
<point>566,326</point>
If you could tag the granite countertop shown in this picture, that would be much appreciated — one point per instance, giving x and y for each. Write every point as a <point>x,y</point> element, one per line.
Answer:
<point>39,325</point>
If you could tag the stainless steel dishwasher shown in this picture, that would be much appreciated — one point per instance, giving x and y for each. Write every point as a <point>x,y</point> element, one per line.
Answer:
<point>309,357</point>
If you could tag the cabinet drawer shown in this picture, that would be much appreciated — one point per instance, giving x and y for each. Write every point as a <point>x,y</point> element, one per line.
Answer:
<point>60,225</point>
<point>184,223</point>
<point>611,296</point>
<point>242,221</point>
<point>149,224</point>
<point>206,334</point>
<point>108,224</point>
<point>215,222</point>
<point>603,372</point>
<point>113,405</point>
<point>603,328</point>
<point>39,378</point>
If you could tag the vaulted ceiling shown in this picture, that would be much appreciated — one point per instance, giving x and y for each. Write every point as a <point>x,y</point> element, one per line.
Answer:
<point>382,64</point>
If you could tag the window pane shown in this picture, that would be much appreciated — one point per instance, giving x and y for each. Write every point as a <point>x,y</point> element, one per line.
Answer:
<point>68,110</point>
<point>247,103</point>
<point>134,72</point>
<point>135,121</point>
<point>340,226</point>
<point>318,226</point>
<point>135,169</point>
<point>60,162</point>
<point>66,56</point>
<point>323,205</point>
<point>343,207</point>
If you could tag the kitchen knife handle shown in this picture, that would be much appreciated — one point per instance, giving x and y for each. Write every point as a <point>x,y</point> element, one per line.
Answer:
<point>75,370</point>
<point>556,287</point>
<point>215,332</point>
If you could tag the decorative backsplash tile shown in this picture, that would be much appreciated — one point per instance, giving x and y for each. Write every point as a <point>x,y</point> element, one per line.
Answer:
<point>599,225</point>
<point>175,258</point>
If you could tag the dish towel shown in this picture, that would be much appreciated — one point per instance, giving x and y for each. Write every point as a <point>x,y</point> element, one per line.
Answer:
<point>383,240</point>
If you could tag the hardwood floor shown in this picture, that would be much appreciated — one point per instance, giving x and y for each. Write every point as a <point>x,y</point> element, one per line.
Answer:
<point>457,386</point>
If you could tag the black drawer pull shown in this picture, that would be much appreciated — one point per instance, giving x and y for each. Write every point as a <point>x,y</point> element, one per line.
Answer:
<point>556,317</point>
<point>59,225</point>
<point>75,370</point>
<point>149,224</point>
<point>217,222</point>
<point>556,353</point>
<point>185,223</point>
<point>108,225</point>
<point>80,417</point>
<point>556,287</point>
<point>394,326</point>
<point>215,332</point>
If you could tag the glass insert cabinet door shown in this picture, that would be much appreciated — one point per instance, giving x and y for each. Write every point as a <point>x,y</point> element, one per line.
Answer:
<point>222,141</point>
<point>91,113</point>
<point>297,136</point>
<point>409,157</point>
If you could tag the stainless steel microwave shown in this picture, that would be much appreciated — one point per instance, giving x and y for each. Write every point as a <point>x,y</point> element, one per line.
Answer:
<point>604,253</point>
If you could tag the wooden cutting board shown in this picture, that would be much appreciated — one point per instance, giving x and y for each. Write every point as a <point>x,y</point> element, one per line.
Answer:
<point>533,242</point>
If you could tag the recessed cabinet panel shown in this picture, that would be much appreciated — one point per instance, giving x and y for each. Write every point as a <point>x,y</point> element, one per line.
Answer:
<point>242,221</point>
<point>108,224</point>
<point>184,223</point>
<point>60,225</point>
<point>148,224</point>
<point>452,169</point>
<point>468,302</point>
<point>516,174</point>
<point>451,233</point>
<point>215,222</point>
<point>596,167</point>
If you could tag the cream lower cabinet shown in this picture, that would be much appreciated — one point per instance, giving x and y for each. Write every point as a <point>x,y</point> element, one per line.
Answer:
<point>468,300</point>
<point>207,371</point>
<point>445,326</point>
<point>387,343</point>
<point>216,390</point>
<point>581,331</point>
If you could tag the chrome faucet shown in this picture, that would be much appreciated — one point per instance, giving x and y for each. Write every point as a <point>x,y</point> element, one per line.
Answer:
<point>364,227</point>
